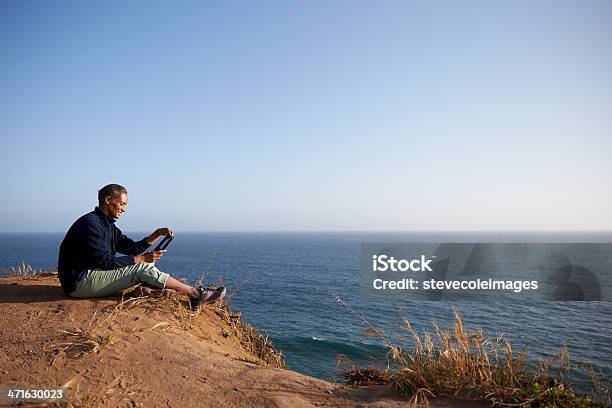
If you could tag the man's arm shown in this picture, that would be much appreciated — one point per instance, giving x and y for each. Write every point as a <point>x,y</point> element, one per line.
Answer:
<point>153,255</point>
<point>128,246</point>
<point>149,257</point>
<point>158,233</point>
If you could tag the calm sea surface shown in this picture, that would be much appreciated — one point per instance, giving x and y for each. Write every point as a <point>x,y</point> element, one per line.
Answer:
<point>285,282</point>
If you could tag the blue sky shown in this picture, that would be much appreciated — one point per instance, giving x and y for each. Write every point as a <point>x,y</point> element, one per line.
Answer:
<point>317,115</point>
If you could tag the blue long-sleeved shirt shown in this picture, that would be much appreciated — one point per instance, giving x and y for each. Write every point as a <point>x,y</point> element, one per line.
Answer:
<point>92,242</point>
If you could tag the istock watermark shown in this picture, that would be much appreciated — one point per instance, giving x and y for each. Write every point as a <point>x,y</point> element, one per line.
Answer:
<point>382,263</point>
<point>487,271</point>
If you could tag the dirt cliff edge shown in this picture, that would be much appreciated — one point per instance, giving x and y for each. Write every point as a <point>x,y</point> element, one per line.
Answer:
<point>149,352</point>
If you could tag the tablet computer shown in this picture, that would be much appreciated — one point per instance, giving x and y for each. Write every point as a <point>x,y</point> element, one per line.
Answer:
<point>164,243</point>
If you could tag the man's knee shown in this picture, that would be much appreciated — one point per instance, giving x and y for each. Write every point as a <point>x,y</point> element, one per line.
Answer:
<point>144,269</point>
<point>148,273</point>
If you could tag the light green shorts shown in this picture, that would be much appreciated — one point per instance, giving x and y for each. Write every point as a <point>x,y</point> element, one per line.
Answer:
<point>98,282</point>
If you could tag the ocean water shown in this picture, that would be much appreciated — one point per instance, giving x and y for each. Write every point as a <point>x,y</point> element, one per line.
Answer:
<point>284,284</point>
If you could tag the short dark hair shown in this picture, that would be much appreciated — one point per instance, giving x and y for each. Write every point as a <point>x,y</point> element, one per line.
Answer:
<point>110,190</point>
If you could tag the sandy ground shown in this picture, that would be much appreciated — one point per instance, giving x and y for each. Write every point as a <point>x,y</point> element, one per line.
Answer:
<point>153,358</point>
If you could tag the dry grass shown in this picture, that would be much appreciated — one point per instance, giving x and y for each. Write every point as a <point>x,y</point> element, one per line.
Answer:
<point>469,365</point>
<point>85,339</point>
<point>25,271</point>
<point>250,339</point>
<point>177,306</point>
<point>98,333</point>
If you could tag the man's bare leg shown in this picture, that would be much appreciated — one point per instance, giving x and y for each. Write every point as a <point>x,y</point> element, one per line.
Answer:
<point>179,286</point>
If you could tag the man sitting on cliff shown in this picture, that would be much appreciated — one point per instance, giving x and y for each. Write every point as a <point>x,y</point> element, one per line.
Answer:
<point>89,267</point>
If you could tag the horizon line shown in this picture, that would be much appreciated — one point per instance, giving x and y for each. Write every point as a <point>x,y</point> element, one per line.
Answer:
<point>356,231</point>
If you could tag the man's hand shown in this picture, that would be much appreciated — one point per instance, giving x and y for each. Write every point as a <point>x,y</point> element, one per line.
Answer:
<point>158,233</point>
<point>163,231</point>
<point>149,257</point>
